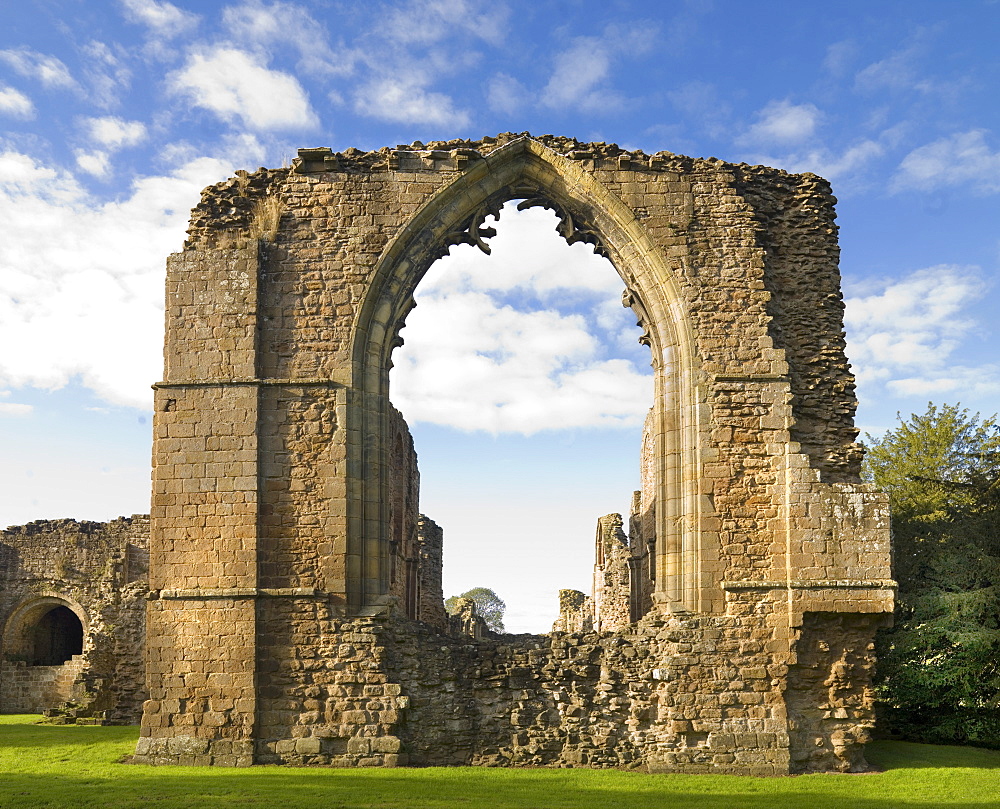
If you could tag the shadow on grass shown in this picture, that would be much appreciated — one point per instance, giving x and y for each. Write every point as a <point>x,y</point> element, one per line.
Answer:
<point>54,767</point>
<point>455,788</point>
<point>910,755</point>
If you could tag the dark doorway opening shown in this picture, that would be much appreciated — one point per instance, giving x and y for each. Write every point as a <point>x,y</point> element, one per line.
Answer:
<point>57,636</point>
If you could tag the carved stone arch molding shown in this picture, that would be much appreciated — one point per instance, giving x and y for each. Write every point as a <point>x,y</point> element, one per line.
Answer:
<point>588,212</point>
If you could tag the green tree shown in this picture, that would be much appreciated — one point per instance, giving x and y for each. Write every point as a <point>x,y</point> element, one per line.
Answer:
<point>489,606</point>
<point>939,665</point>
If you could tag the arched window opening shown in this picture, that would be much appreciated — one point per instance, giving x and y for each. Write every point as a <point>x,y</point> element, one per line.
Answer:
<point>526,390</point>
<point>56,637</point>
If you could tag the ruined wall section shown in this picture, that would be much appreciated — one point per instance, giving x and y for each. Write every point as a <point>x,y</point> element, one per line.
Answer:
<point>642,525</point>
<point>834,660</point>
<point>225,211</point>
<point>799,232</point>
<point>98,568</point>
<point>576,612</point>
<point>404,514</point>
<point>430,549</point>
<point>279,551</point>
<point>671,694</point>
<point>612,591</point>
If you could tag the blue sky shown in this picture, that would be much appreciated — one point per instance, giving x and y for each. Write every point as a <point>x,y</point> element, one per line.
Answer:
<point>115,113</point>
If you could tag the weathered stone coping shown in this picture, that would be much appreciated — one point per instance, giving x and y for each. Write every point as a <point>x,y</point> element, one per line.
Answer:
<point>249,381</point>
<point>811,584</point>
<point>198,594</point>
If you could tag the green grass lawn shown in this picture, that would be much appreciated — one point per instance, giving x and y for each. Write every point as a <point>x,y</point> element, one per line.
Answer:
<point>74,767</point>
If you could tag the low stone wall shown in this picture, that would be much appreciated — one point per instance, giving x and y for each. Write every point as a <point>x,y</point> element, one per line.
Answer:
<point>695,694</point>
<point>32,689</point>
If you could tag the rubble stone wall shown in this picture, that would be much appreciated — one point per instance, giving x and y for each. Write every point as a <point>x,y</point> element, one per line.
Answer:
<point>97,570</point>
<point>691,694</point>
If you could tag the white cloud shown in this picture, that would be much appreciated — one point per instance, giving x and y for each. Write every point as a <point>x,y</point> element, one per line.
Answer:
<point>256,24</point>
<point>94,163</point>
<point>114,133</point>
<point>164,19</point>
<point>88,304</point>
<point>578,73</point>
<point>505,344</point>
<point>783,122</point>
<point>425,22</point>
<point>962,159</point>
<point>233,84</point>
<point>13,408</point>
<point>824,161</point>
<point>406,100</point>
<point>506,94</point>
<point>581,72</point>
<point>49,70</point>
<point>15,104</point>
<point>905,335</point>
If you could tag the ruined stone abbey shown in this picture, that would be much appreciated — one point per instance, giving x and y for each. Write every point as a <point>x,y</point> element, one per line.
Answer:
<point>294,610</point>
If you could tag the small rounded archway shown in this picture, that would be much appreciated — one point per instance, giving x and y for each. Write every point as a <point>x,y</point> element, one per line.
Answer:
<point>47,631</point>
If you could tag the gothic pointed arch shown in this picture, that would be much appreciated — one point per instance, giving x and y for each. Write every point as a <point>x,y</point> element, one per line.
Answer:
<point>589,212</point>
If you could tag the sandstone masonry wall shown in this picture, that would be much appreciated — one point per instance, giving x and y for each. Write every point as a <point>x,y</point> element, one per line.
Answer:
<point>281,482</point>
<point>98,570</point>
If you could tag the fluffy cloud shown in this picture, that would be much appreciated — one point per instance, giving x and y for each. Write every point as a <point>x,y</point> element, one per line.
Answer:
<point>164,19</point>
<point>94,163</point>
<point>505,344</point>
<point>234,84</point>
<point>50,71</point>
<point>110,134</point>
<point>88,304</point>
<point>15,104</point>
<point>114,133</point>
<point>581,72</point>
<point>905,334</point>
<point>824,161</point>
<point>783,122</point>
<point>577,73</point>
<point>13,408</point>
<point>963,159</point>
<point>407,101</point>
<point>256,24</point>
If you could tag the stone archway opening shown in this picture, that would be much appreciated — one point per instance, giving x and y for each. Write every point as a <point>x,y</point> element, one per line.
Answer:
<point>525,373</point>
<point>42,654</point>
<point>44,632</point>
<point>56,637</point>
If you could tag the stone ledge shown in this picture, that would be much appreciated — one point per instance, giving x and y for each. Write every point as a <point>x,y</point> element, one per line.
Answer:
<point>195,594</point>
<point>217,383</point>
<point>815,584</point>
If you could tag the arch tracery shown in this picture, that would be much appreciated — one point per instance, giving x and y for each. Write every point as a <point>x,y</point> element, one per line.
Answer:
<point>588,212</point>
